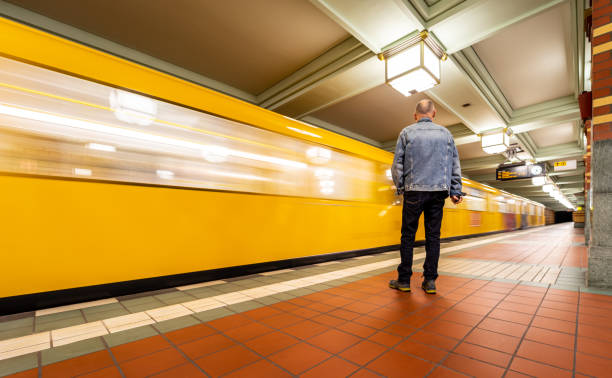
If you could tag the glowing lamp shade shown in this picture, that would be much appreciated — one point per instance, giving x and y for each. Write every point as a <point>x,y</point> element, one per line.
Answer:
<point>495,143</point>
<point>538,180</point>
<point>413,82</point>
<point>547,188</point>
<point>412,70</point>
<point>132,108</point>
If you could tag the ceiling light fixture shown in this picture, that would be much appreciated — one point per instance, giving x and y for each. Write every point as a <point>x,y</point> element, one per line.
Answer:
<point>413,65</point>
<point>496,142</point>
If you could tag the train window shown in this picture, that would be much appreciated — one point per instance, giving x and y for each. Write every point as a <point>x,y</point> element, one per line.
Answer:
<point>501,204</point>
<point>56,125</point>
<point>511,205</point>
<point>475,199</point>
<point>532,209</point>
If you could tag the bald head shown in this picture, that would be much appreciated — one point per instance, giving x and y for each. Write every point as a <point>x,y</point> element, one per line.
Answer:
<point>425,108</point>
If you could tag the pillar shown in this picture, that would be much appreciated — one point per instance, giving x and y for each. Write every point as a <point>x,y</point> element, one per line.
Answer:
<point>600,246</point>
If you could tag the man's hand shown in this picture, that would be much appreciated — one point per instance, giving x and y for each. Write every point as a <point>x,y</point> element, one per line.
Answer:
<point>456,199</point>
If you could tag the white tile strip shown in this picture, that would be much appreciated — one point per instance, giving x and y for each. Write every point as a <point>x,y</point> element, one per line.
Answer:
<point>232,298</point>
<point>23,345</point>
<point>199,285</point>
<point>122,323</point>
<point>168,312</point>
<point>271,273</point>
<point>27,344</point>
<point>76,333</point>
<point>77,306</point>
<point>203,304</point>
<point>328,263</point>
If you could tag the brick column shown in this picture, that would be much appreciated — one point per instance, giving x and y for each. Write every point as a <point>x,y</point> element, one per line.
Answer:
<point>600,247</point>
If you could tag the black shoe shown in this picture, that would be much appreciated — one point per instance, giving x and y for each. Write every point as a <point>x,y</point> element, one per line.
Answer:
<point>395,284</point>
<point>429,286</point>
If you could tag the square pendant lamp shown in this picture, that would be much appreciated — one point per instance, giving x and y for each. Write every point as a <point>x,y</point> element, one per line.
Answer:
<point>495,143</point>
<point>413,65</point>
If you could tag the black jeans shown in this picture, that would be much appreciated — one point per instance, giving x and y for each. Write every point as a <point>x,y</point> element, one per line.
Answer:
<point>415,203</point>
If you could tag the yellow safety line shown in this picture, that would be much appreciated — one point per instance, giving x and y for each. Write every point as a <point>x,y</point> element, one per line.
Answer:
<point>212,133</point>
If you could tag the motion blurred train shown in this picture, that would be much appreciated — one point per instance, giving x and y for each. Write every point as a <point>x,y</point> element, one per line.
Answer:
<point>116,178</point>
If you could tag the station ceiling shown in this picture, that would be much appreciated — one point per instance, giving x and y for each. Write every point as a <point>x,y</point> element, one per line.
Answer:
<point>513,63</point>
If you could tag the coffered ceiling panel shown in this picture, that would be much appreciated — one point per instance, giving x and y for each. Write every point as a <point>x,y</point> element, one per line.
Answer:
<point>554,135</point>
<point>531,60</point>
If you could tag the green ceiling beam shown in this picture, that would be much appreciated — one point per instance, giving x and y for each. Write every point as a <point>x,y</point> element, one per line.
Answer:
<point>482,163</point>
<point>528,144</point>
<point>339,58</point>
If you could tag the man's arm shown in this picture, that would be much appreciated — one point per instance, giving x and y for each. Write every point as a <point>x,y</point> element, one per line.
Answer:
<point>455,189</point>
<point>397,169</point>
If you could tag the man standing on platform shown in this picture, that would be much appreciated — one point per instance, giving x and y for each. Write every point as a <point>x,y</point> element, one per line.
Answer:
<point>426,170</point>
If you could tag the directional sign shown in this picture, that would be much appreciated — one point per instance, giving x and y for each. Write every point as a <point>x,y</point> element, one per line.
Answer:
<point>565,165</point>
<point>519,171</point>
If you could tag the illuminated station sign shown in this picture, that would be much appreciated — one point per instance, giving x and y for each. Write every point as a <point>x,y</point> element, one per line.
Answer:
<point>520,171</point>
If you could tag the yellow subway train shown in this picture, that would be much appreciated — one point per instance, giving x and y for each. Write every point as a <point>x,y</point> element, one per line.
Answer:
<point>117,178</point>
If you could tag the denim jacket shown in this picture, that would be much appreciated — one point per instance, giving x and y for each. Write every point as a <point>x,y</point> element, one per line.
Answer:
<point>426,159</point>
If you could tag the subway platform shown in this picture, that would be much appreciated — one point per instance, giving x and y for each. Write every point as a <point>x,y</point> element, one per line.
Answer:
<point>512,304</point>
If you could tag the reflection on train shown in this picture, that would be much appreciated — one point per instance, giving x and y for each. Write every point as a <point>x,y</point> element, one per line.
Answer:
<point>103,185</point>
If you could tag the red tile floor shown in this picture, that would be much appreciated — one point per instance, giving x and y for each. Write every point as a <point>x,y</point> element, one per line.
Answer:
<point>364,329</point>
<point>473,327</point>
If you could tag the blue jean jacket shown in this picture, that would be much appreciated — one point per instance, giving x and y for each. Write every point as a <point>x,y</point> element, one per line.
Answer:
<point>426,159</point>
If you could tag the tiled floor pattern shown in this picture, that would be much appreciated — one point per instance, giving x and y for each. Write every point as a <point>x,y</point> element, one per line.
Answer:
<point>342,328</point>
<point>59,326</point>
<point>561,246</point>
<point>363,329</point>
<point>556,257</point>
<point>483,268</point>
